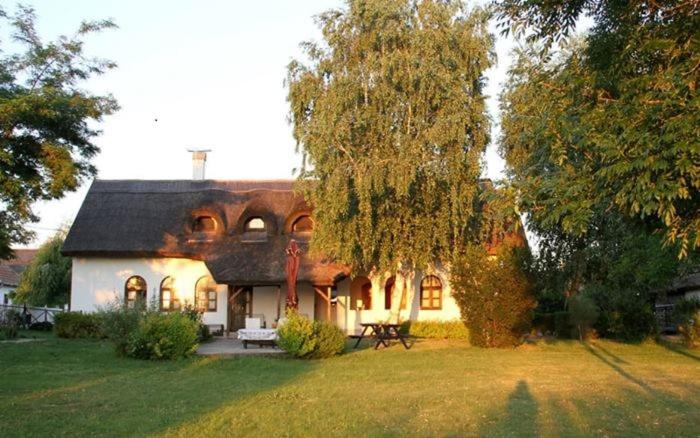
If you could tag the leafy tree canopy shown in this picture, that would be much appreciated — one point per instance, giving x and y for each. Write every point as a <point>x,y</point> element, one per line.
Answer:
<point>390,116</point>
<point>45,119</point>
<point>611,122</point>
<point>46,281</point>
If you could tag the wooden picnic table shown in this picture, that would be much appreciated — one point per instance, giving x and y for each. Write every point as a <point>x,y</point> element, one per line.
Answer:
<point>384,332</point>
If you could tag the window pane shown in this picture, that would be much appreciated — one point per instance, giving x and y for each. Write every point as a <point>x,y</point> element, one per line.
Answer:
<point>212,305</point>
<point>212,295</point>
<point>166,295</point>
<point>132,295</point>
<point>166,304</point>
<point>255,223</point>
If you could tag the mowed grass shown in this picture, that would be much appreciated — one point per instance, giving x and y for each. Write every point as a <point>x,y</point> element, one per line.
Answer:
<point>72,388</point>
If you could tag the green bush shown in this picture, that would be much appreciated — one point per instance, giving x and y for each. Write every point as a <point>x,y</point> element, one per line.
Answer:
<point>583,313</point>
<point>435,329</point>
<point>78,325</point>
<point>626,315</point>
<point>43,326</point>
<point>296,335</point>
<point>562,324</point>
<point>686,316</point>
<point>10,322</point>
<point>330,340</point>
<point>119,322</point>
<point>494,295</point>
<point>163,336</point>
<point>195,314</point>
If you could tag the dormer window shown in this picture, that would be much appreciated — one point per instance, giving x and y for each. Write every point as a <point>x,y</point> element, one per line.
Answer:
<point>255,224</point>
<point>204,224</point>
<point>303,224</point>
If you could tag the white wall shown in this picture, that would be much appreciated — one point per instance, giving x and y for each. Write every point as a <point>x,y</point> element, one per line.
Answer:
<point>4,291</point>
<point>350,320</point>
<point>99,281</point>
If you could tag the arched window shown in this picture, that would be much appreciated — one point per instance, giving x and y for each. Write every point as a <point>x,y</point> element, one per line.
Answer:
<point>431,293</point>
<point>205,294</point>
<point>255,224</point>
<point>134,290</point>
<point>169,299</point>
<point>204,224</point>
<point>303,224</point>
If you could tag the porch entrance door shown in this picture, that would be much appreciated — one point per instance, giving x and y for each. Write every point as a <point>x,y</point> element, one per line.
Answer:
<point>240,306</point>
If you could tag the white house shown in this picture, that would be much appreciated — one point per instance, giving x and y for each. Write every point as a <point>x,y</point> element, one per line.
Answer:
<point>220,245</point>
<point>10,271</point>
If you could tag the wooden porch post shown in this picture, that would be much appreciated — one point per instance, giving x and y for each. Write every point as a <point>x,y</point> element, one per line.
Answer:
<point>279,301</point>
<point>326,295</point>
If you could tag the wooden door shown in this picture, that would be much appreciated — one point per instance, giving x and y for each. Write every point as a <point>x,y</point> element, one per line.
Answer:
<point>240,307</point>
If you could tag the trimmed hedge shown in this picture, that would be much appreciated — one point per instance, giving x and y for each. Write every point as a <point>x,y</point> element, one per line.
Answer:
<point>78,325</point>
<point>435,329</point>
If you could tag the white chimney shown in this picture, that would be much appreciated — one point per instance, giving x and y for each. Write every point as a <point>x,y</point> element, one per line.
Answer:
<point>199,160</point>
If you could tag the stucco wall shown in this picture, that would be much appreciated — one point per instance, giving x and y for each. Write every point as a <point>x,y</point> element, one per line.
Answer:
<point>350,320</point>
<point>99,281</point>
<point>4,291</point>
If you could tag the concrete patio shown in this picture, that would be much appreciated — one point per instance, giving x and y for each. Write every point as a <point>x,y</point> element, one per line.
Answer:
<point>222,346</point>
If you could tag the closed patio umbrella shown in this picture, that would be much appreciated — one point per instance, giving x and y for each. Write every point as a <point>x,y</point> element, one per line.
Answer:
<point>292,268</point>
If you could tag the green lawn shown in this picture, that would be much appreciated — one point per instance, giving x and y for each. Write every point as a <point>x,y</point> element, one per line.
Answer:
<point>61,387</point>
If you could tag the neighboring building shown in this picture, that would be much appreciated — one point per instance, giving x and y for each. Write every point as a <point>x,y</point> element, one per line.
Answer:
<point>220,245</point>
<point>10,271</point>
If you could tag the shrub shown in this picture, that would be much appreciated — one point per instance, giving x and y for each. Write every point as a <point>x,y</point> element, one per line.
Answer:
<point>494,295</point>
<point>190,311</point>
<point>625,315</point>
<point>562,324</point>
<point>78,325</point>
<point>583,313</point>
<point>436,329</point>
<point>330,340</point>
<point>119,322</point>
<point>43,326</point>
<point>163,336</point>
<point>296,335</point>
<point>686,316</point>
<point>10,322</point>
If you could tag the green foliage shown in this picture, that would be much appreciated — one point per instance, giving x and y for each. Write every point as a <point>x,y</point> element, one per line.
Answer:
<point>46,281</point>
<point>161,336</point>
<point>390,117</point>
<point>625,314</point>
<point>562,324</point>
<point>41,326</point>
<point>610,122</point>
<point>119,322</point>
<point>330,340</point>
<point>78,325</point>
<point>10,322</point>
<point>583,313</point>
<point>686,314</point>
<point>494,295</point>
<point>296,335</point>
<point>435,329</point>
<point>196,315</point>
<point>47,119</point>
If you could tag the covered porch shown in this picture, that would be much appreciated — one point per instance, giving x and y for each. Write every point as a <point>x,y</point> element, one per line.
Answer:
<point>267,302</point>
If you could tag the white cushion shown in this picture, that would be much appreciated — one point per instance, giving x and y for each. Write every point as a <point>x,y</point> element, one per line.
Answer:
<point>252,323</point>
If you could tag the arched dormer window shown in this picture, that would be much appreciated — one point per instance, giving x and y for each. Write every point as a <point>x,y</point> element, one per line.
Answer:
<point>303,224</point>
<point>430,293</point>
<point>204,224</point>
<point>169,299</point>
<point>134,290</point>
<point>255,224</point>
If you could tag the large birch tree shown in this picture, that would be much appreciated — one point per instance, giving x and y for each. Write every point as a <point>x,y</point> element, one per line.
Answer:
<point>389,114</point>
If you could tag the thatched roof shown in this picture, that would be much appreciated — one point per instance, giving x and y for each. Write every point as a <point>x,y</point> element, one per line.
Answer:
<point>134,218</point>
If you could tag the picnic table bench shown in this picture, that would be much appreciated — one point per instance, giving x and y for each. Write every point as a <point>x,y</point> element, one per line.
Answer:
<point>383,333</point>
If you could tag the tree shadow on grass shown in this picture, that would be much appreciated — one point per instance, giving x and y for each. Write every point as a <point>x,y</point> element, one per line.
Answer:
<point>519,418</point>
<point>670,346</point>
<point>116,396</point>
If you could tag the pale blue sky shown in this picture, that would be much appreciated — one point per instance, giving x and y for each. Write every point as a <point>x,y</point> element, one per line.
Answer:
<point>211,73</point>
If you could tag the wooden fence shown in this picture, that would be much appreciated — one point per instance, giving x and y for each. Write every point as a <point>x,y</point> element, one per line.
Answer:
<point>31,315</point>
